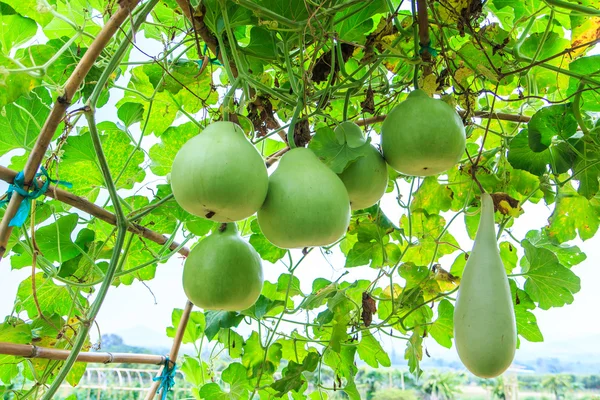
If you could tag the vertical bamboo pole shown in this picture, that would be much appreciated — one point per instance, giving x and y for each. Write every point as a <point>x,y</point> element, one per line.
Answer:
<point>175,348</point>
<point>59,109</point>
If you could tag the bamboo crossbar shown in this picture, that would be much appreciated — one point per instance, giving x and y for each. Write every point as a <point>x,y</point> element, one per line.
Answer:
<point>476,114</point>
<point>8,175</point>
<point>31,351</point>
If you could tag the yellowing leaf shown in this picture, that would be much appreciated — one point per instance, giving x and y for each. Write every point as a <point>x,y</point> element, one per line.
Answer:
<point>429,84</point>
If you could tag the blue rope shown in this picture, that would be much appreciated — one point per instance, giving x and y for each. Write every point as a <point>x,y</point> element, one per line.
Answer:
<point>427,47</point>
<point>166,378</point>
<point>18,186</point>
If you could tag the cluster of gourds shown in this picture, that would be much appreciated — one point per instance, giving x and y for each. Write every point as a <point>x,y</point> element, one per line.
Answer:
<point>220,176</point>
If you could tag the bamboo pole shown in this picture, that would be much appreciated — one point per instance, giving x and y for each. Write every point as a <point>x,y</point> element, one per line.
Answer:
<point>185,316</point>
<point>58,111</point>
<point>8,175</point>
<point>31,351</point>
<point>477,114</point>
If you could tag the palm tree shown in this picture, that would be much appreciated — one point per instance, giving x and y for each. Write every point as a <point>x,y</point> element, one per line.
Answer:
<point>557,384</point>
<point>442,385</point>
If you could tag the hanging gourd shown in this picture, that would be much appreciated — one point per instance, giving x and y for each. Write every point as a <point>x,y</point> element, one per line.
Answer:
<point>422,136</point>
<point>219,175</point>
<point>484,318</point>
<point>223,272</point>
<point>307,204</point>
<point>366,178</point>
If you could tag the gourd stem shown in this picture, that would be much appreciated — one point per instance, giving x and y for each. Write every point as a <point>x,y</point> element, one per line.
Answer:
<point>290,134</point>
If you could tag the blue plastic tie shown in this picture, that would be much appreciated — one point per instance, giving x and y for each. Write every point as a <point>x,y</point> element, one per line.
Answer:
<point>18,186</point>
<point>166,378</point>
<point>427,47</point>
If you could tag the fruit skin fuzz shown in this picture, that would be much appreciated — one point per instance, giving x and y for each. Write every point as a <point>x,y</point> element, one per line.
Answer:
<point>484,319</point>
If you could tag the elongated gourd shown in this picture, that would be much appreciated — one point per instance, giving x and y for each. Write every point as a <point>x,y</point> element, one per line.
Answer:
<point>484,319</point>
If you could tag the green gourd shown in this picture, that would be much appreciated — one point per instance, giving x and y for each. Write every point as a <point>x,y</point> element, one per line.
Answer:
<point>307,204</point>
<point>422,136</point>
<point>223,272</point>
<point>219,175</point>
<point>484,318</point>
<point>366,178</point>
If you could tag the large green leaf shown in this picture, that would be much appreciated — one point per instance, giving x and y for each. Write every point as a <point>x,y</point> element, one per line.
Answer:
<point>21,122</point>
<point>548,282</point>
<point>334,150</point>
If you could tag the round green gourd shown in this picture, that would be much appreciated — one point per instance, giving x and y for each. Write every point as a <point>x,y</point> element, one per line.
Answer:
<point>484,318</point>
<point>307,204</point>
<point>366,178</point>
<point>422,136</point>
<point>223,272</point>
<point>219,175</point>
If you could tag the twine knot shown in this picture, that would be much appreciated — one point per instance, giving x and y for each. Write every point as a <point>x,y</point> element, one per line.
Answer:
<point>18,186</point>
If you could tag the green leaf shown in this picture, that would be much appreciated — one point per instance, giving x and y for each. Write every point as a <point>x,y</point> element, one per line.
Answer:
<point>194,328</point>
<point>573,214</point>
<point>15,30</point>
<point>509,256</point>
<point>257,361</point>
<point>164,109</point>
<point>334,151</point>
<point>587,170</point>
<point>215,320</point>
<point>442,328</point>
<point>527,325</point>
<point>292,375</point>
<point>262,43</point>
<point>343,366</point>
<point>76,373</point>
<point>52,299</point>
<point>567,255</point>
<point>427,230</point>
<point>357,20</point>
<point>414,354</point>
<point>521,156</point>
<point>371,352</point>
<point>586,66</point>
<point>80,167</point>
<point>130,113</point>
<point>548,282</point>
<point>267,251</point>
<point>283,282</point>
<point>78,12</point>
<point>163,153</point>
<point>432,197</point>
<point>15,331</point>
<point>549,122</point>
<point>554,43</point>
<point>239,386</point>
<point>21,122</point>
<point>54,242</point>
<point>195,372</point>
<point>29,8</point>
<point>294,348</point>
<point>232,341</point>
